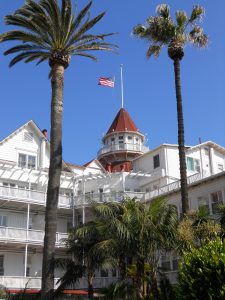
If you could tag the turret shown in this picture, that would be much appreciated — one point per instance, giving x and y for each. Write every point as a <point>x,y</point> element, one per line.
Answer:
<point>122,143</point>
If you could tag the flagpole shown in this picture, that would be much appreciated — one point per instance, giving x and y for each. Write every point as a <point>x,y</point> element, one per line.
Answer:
<point>121,73</point>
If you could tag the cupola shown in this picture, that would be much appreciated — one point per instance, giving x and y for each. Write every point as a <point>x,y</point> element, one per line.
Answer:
<point>122,143</point>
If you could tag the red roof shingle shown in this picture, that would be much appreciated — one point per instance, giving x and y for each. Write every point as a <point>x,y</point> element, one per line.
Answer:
<point>122,122</point>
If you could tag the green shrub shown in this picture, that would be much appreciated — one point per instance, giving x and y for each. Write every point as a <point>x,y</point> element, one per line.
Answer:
<point>202,272</point>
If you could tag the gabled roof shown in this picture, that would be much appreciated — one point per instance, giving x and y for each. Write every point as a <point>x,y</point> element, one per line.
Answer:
<point>97,162</point>
<point>122,122</point>
<point>33,124</point>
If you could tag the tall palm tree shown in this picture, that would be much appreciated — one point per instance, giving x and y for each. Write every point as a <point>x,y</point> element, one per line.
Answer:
<point>53,32</point>
<point>161,30</point>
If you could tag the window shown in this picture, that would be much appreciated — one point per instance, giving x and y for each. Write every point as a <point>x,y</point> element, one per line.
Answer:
<point>12,185</point>
<point>216,198</point>
<point>22,160</point>
<point>220,167</point>
<point>2,220</point>
<point>104,273</point>
<point>165,262</point>
<point>113,271</point>
<point>1,265</point>
<point>193,164</point>
<point>27,161</point>
<point>120,139</point>
<point>137,190</point>
<point>204,201</point>
<point>129,138</point>
<point>30,225</point>
<point>206,151</point>
<point>175,263</point>
<point>156,161</point>
<point>28,136</point>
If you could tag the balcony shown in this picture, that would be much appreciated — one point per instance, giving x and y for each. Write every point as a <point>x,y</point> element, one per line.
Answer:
<point>36,197</point>
<point>130,147</point>
<point>106,197</point>
<point>19,282</point>
<point>21,235</point>
<point>175,186</point>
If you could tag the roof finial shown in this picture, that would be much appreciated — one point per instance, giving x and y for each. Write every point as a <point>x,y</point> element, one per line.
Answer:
<point>121,73</point>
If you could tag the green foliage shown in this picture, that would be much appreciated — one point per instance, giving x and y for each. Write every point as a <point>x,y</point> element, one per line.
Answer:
<point>50,30</point>
<point>196,229</point>
<point>202,272</point>
<point>162,30</point>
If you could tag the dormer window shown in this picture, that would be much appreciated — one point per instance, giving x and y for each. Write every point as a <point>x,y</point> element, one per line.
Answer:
<point>27,161</point>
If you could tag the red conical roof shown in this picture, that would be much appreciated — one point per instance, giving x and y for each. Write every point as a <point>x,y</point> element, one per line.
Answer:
<point>122,122</point>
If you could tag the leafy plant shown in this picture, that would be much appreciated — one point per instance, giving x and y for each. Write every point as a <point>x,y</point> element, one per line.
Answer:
<point>202,272</point>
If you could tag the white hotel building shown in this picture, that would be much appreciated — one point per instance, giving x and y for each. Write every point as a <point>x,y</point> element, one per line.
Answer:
<point>123,167</point>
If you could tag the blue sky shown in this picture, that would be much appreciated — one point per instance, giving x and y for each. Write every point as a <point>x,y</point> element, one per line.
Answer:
<point>148,84</point>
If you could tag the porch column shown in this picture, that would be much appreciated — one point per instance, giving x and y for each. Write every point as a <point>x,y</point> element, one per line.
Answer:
<point>84,202</point>
<point>25,261</point>
<point>28,218</point>
<point>201,162</point>
<point>74,195</point>
<point>83,214</point>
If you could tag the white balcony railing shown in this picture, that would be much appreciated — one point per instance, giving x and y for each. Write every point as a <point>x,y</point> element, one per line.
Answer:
<point>19,282</point>
<point>123,147</point>
<point>30,195</point>
<point>106,197</point>
<point>174,186</point>
<point>27,236</point>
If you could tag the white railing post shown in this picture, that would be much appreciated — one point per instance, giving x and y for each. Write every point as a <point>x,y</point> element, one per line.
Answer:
<point>25,261</point>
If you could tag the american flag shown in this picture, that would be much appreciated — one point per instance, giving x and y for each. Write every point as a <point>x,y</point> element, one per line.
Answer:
<point>106,81</point>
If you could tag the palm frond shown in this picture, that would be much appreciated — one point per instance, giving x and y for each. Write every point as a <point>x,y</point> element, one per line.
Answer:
<point>153,50</point>
<point>71,276</point>
<point>24,47</point>
<point>87,55</point>
<point>181,18</point>
<point>47,26</point>
<point>163,10</point>
<point>81,15</point>
<point>28,55</point>
<point>84,28</point>
<point>23,36</point>
<point>197,13</point>
<point>161,30</point>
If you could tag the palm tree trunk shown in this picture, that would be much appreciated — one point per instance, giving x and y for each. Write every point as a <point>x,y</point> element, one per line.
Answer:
<point>90,287</point>
<point>122,266</point>
<point>180,119</point>
<point>154,285</point>
<point>55,167</point>
<point>139,277</point>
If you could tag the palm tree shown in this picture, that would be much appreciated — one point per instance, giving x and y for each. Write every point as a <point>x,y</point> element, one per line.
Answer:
<point>52,32</point>
<point>161,30</point>
<point>84,260</point>
<point>133,229</point>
